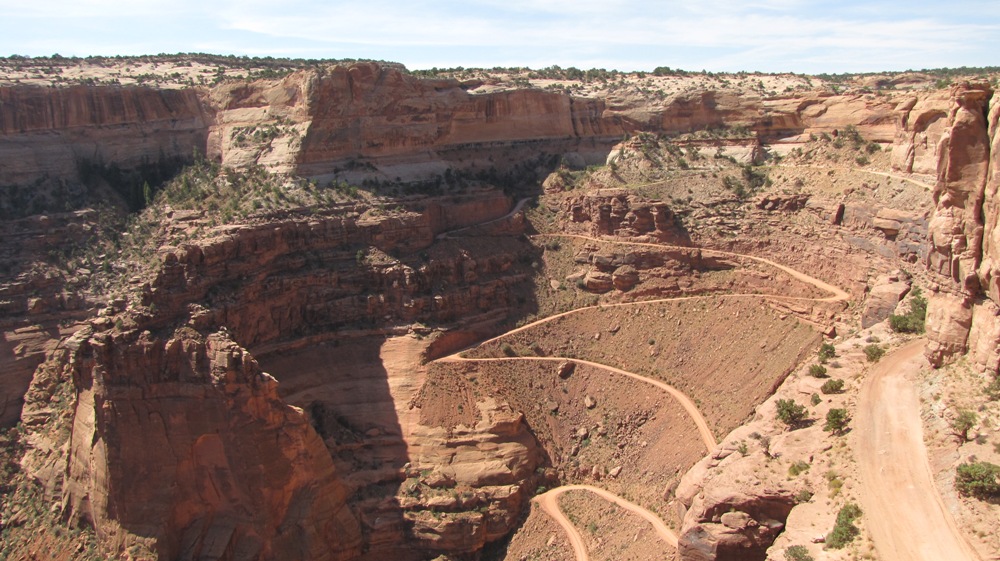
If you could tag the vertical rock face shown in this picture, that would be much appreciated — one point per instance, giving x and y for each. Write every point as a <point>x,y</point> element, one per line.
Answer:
<point>46,132</point>
<point>989,270</point>
<point>964,243</point>
<point>616,212</point>
<point>919,127</point>
<point>956,228</point>
<point>181,447</point>
<point>159,430</point>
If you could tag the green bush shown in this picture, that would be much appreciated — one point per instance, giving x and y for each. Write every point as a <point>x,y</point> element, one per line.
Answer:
<point>978,479</point>
<point>836,421</point>
<point>913,321</point>
<point>992,390</point>
<point>963,423</point>
<point>832,386</point>
<point>797,468</point>
<point>815,399</point>
<point>874,352</point>
<point>826,352</point>
<point>797,553</point>
<point>817,371</point>
<point>844,531</point>
<point>790,413</point>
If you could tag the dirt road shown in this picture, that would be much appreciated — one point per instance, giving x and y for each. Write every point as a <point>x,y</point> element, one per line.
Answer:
<point>906,178</point>
<point>903,510</point>
<point>836,294</point>
<point>692,410</point>
<point>548,500</point>
<point>550,504</point>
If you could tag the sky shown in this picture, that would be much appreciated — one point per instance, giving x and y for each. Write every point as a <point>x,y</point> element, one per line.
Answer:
<point>799,36</point>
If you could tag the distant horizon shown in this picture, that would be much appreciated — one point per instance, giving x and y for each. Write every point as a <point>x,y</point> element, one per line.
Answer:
<point>53,56</point>
<point>769,36</point>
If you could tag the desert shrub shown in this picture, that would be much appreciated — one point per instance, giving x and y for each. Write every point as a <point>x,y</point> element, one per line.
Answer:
<point>992,390</point>
<point>874,352</point>
<point>963,423</point>
<point>844,530</point>
<point>815,399</point>
<point>790,413</point>
<point>803,496</point>
<point>797,553</point>
<point>978,479</point>
<point>912,321</point>
<point>826,352</point>
<point>836,421</point>
<point>797,468</point>
<point>832,386</point>
<point>817,371</point>
<point>862,160</point>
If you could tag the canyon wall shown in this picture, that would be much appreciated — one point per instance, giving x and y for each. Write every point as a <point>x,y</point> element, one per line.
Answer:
<point>52,140</point>
<point>963,311</point>
<point>366,117</point>
<point>180,447</point>
<point>156,426</point>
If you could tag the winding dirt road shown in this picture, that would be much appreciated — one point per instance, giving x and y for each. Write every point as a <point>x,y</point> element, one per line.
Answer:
<point>692,410</point>
<point>869,171</point>
<point>836,294</point>
<point>550,504</point>
<point>547,500</point>
<point>903,509</point>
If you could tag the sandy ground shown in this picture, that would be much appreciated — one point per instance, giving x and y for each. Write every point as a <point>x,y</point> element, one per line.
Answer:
<point>549,503</point>
<point>689,406</point>
<point>903,510</point>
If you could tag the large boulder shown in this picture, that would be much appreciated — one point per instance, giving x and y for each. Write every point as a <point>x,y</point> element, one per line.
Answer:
<point>883,299</point>
<point>726,524</point>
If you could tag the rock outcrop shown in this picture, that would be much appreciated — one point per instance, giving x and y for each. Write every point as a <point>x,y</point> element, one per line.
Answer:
<point>723,524</point>
<point>921,123</point>
<point>373,120</point>
<point>962,231</point>
<point>180,446</point>
<point>615,212</point>
<point>235,471</point>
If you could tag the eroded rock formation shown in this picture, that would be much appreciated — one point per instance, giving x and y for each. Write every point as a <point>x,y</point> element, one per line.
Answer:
<point>962,253</point>
<point>180,446</point>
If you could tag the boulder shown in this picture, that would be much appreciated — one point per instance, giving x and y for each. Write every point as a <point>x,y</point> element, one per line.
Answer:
<point>883,299</point>
<point>596,281</point>
<point>566,369</point>
<point>625,278</point>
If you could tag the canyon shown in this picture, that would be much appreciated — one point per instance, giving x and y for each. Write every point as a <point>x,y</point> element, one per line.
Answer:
<point>350,313</point>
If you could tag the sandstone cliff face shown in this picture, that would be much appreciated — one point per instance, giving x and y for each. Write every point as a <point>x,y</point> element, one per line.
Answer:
<point>366,117</point>
<point>920,124</point>
<point>180,447</point>
<point>301,275</point>
<point>959,257</point>
<point>789,116</point>
<point>616,212</point>
<point>46,135</point>
<point>40,302</point>
<point>155,426</point>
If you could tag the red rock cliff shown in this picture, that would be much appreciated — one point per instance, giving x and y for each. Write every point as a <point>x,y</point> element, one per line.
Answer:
<point>962,313</point>
<point>46,132</point>
<point>180,447</point>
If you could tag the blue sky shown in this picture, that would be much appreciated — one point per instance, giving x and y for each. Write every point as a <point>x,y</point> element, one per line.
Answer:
<point>716,35</point>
